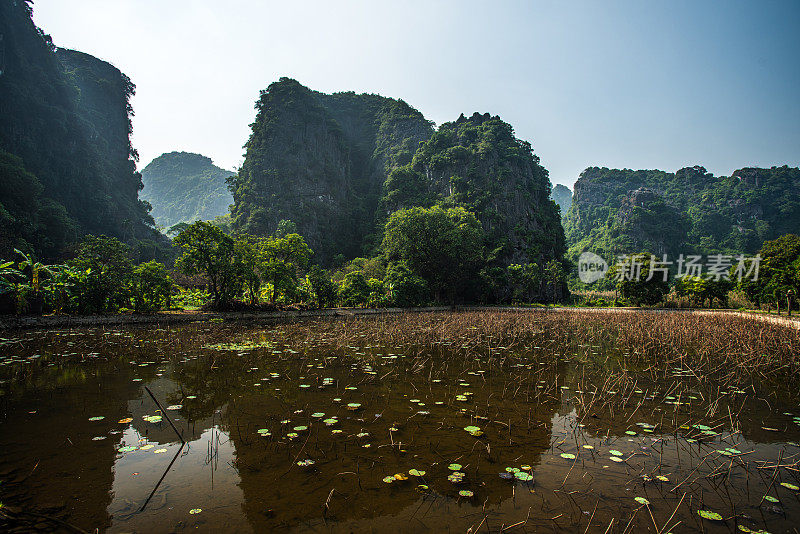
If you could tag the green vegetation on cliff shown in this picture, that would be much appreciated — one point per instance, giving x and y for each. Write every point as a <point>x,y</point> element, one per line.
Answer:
<point>339,166</point>
<point>690,211</point>
<point>65,156</point>
<point>320,161</point>
<point>185,187</point>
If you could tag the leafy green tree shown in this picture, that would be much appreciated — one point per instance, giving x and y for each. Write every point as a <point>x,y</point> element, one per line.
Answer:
<point>207,250</point>
<point>105,268</point>
<point>778,271</point>
<point>524,280</point>
<point>634,283</point>
<point>322,287</point>
<point>354,290</point>
<point>700,289</point>
<point>284,260</point>
<point>285,227</point>
<point>151,287</point>
<point>404,287</point>
<point>442,246</point>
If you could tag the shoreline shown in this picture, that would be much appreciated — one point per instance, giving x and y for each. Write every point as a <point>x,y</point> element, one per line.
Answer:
<point>26,322</point>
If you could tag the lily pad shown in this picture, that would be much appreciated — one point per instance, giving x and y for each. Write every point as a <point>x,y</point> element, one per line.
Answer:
<point>416,473</point>
<point>194,511</point>
<point>641,500</point>
<point>711,516</point>
<point>567,456</point>
<point>454,467</point>
<point>465,493</point>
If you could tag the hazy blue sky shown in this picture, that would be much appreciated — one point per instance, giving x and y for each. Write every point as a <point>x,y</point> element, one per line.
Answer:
<point>616,84</point>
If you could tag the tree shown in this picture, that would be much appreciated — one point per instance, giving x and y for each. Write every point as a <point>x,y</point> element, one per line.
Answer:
<point>700,289</point>
<point>151,287</point>
<point>405,288</point>
<point>778,271</point>
<point>355,290</point>
<point>633,280</point>
<point>321,287</point>
<point>524,279</point>
<point>284,259</point>
<point>285,227</point>
<point>209,251</point>
<point>442,246</point>
<point>104,266</point>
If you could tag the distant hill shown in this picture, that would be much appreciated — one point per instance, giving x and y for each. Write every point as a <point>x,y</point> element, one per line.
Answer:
<point>185,187</point>
<point>690,211</point>
<point>563,197</point>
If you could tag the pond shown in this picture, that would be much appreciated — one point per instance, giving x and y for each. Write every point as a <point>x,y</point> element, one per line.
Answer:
<point>372,425</point>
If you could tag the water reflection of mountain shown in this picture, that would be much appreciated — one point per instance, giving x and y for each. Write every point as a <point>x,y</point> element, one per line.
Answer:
<point>50,461</point>
<point>345,484</point>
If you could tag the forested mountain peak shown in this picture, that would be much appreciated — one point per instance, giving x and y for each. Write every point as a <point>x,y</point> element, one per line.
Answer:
<point>185,187</point>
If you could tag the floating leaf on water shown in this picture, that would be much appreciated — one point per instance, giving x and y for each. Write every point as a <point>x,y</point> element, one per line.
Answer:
<point>454,467</point>
<point>770,498</point>
<point>175,407</point>
<point>353,406</point>
<point>615,453</point>
<point>662,478</point>
<point>97,418</point>
<point>127,449</point>
<point>711,516</point>
<point>456,477</point>
<point>512,470</point>
<point>525,467</point>
<point>472,429</point>
<point>790,486</point>
<point>146,447</point>
<point>318,415</point>
<point>301,428</point>
<point>194,511</point>
<point>306,463</point>
<point>465,493</point>
<point>159,451</point>
<point>588,447</point>
<point>98,438</point>
<point>522,476</point>
<point>422,487</point>
<point>616,459</point>
<point>388,480</point>
<point>400,477</point>
<point>567,456</point>
<point>416,473</point>
<point>641,500</point>
<point>125,421</point>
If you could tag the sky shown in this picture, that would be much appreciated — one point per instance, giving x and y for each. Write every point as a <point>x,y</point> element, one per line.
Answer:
<point>620,84</point>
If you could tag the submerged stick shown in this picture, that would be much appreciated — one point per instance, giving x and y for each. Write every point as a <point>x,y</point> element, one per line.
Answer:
<point>165,414</point>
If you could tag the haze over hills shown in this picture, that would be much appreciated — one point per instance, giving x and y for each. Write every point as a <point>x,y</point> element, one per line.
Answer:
<point>185,187</point>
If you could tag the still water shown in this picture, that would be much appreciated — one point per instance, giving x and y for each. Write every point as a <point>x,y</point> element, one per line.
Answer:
<point>299,436</point>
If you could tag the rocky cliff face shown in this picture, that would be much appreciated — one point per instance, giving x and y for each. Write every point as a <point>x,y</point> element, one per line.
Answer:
<point>320,161</point>
<point>64,134</point>
<point>337,165</point>
<point>185,187</point>
<point>689,211</point>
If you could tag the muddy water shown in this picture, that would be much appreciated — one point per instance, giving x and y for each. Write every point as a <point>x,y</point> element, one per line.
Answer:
<point>301,437</point>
